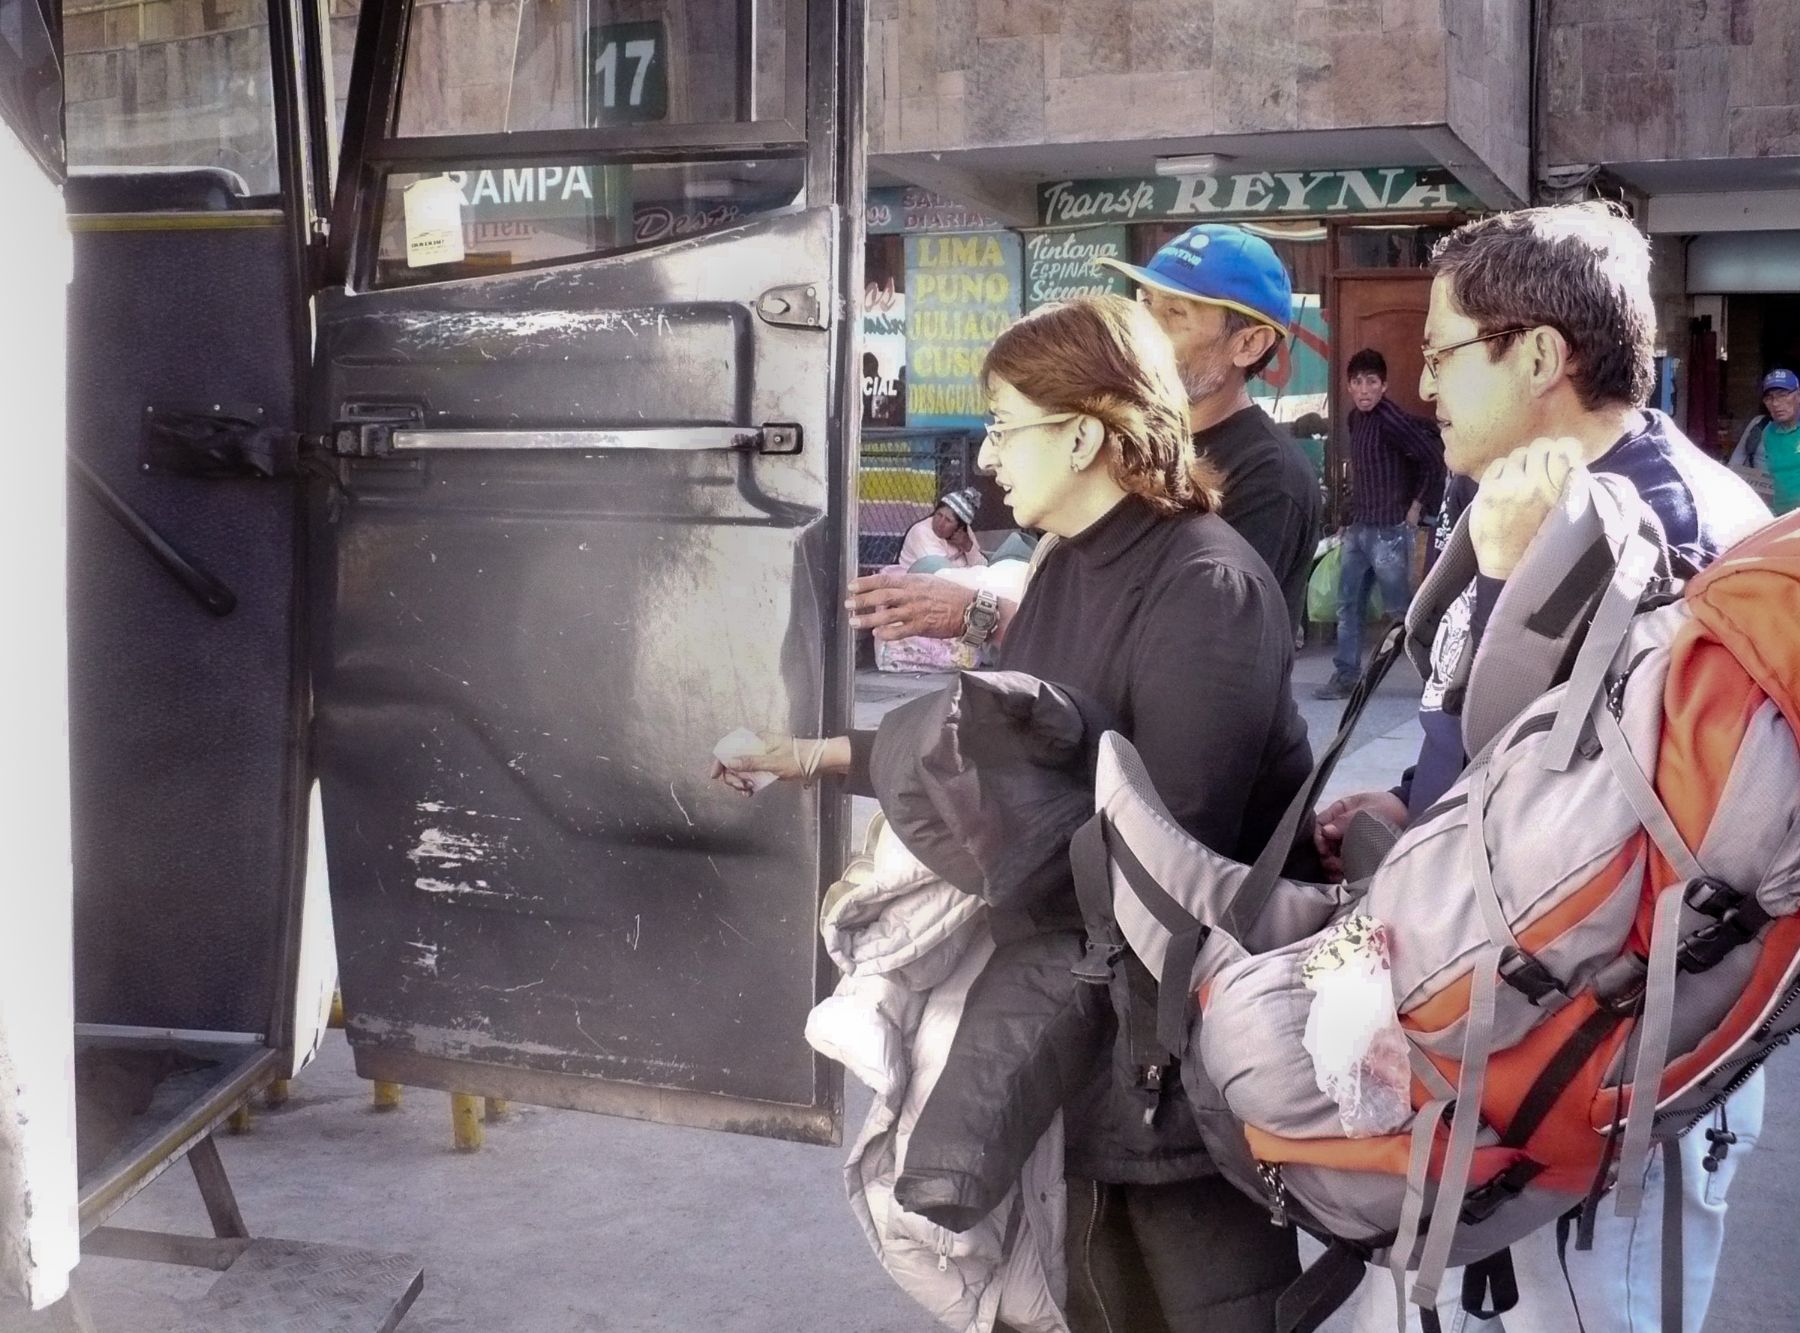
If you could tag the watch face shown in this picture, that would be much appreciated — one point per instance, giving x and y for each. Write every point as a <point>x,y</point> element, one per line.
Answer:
<point>979,622</point>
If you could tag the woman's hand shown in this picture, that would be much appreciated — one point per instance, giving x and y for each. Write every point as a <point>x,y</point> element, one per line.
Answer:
<point>785,758</point>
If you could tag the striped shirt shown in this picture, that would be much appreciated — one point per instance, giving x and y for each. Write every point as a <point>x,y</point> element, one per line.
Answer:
<point>1395,458</point>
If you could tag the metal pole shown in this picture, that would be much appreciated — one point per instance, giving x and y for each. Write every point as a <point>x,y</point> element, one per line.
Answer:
<point>746,60</point>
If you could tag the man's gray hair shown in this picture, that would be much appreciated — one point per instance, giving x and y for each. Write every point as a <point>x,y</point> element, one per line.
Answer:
<point>1581,269</point>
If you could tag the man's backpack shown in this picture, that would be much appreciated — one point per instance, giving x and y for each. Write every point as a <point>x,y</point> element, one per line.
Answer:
<point>1604,903</point>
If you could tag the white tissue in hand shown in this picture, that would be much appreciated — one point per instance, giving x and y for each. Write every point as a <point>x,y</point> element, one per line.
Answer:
<point>740,745</point>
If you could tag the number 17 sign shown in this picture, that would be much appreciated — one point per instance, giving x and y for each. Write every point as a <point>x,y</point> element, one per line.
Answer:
<point>628,73</point>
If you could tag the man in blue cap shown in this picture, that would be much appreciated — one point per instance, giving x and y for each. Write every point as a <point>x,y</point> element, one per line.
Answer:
<point>1224,298</point>
<point>1770,444</point>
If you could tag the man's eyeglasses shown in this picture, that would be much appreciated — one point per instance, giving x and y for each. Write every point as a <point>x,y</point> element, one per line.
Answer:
<point>1434,356</point>
<point>996,433</point>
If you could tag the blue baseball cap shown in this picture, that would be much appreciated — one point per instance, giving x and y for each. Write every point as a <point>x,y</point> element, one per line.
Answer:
<point>1221,265</point>
<point>1781,379</point>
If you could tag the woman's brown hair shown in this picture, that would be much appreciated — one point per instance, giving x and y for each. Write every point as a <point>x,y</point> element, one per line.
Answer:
<point>1105,357</point>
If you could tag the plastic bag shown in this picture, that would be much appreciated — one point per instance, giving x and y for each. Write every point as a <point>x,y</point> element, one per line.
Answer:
<point>1322,585</point>
<point>1353,1034</point>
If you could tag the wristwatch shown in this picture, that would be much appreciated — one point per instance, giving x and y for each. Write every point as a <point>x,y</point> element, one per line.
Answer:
<point>980,621</point>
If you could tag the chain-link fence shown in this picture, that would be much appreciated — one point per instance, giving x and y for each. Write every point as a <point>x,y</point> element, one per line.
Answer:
<point>899,478</point>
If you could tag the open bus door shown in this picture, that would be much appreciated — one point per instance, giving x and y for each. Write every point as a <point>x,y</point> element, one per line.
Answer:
<point>583,362</point>
<point>487,521</point>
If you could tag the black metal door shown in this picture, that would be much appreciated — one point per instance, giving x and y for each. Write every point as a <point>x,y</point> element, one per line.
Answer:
<point>588,516</point>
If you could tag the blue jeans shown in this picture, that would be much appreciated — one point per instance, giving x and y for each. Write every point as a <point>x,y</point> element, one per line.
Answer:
<point>1382,554</point>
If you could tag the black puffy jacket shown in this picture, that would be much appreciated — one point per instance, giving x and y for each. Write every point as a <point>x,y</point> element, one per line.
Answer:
<point>986,782</point>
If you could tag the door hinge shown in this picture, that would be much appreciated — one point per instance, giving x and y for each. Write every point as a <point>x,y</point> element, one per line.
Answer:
<point>216,441</point>
<point>796,307</point>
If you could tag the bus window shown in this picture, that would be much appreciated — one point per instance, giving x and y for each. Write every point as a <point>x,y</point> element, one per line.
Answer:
<point>340,40</point>
<point>527,213</point>
<point>30,87</point>
<point>658,129</point>
<point>489,66</point>
<point>158,84</point>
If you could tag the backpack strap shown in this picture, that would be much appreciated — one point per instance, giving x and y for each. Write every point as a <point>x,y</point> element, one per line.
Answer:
<point>1674,1264</point>
<point>1154,1034</point>
<point>1412,1206</point>
<point>1598,547</point>
<point>1636,789</point>
<point>1319,1292</point>
<point>1453,1181</point>
<point>1492,1277</point>
<point>1253,894</point>
<point>1654,1027</point>
<point>1637,567</point>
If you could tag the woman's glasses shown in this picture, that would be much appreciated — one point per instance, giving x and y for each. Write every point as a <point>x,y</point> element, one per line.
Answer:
<point>997,433</point>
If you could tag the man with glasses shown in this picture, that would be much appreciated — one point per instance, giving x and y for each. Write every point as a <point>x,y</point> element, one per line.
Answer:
<point>1538,358</point>
<point>1770,445</point>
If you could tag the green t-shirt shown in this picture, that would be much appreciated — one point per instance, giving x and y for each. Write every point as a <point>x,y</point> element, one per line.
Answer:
<point>1781,459</point>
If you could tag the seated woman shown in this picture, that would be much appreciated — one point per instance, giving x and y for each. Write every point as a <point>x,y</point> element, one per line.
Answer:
<point>943,539</point>
<point>1149,603</point>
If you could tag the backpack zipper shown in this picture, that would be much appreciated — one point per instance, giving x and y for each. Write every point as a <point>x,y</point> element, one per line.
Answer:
<point>1087,1258</point>
<point>1787,1002</point>
<point>1275,1191</point>
<point>1744,1075</point>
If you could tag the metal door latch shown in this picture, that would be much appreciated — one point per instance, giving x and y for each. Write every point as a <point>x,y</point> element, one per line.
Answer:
<point>777,438</point>
<point>796,307</point>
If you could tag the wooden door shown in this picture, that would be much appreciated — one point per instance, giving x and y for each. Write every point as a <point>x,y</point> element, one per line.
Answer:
<point>1385,311</point>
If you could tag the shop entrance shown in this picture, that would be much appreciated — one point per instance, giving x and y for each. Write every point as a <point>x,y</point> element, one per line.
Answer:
<point>1386,312</point>
<point>1762,333</point>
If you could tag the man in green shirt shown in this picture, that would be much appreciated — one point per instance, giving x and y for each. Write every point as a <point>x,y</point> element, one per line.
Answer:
<point>1771,443</point>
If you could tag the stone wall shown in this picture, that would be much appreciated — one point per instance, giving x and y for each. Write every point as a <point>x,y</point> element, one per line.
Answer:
<point>1490,86</point>
<point>949,74</point>
<point>1631,81</point>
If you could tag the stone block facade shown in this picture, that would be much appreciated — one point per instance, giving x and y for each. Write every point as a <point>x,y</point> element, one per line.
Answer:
<point>1630,81</point>
<point>951,74</point>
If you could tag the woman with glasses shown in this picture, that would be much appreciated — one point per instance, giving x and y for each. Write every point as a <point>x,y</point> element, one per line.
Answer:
<point>1150,604</point>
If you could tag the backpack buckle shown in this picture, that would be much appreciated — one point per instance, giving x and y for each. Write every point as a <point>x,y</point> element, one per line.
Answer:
<point>1525,974</point>
<point>1711,897</point>
<point>1095,966</point>
<point>1619,986</point>
<point>1737,918</point>
<point>1484,1201</point>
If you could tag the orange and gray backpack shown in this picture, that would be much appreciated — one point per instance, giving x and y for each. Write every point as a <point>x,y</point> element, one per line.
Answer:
<point>1594,937</point>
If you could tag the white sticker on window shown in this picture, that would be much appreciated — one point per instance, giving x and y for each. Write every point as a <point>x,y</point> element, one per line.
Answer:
<point>434,232</point>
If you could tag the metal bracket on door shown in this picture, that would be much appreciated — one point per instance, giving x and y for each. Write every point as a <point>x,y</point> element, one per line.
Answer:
<point>796,307</point>
<point>366,430</point>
